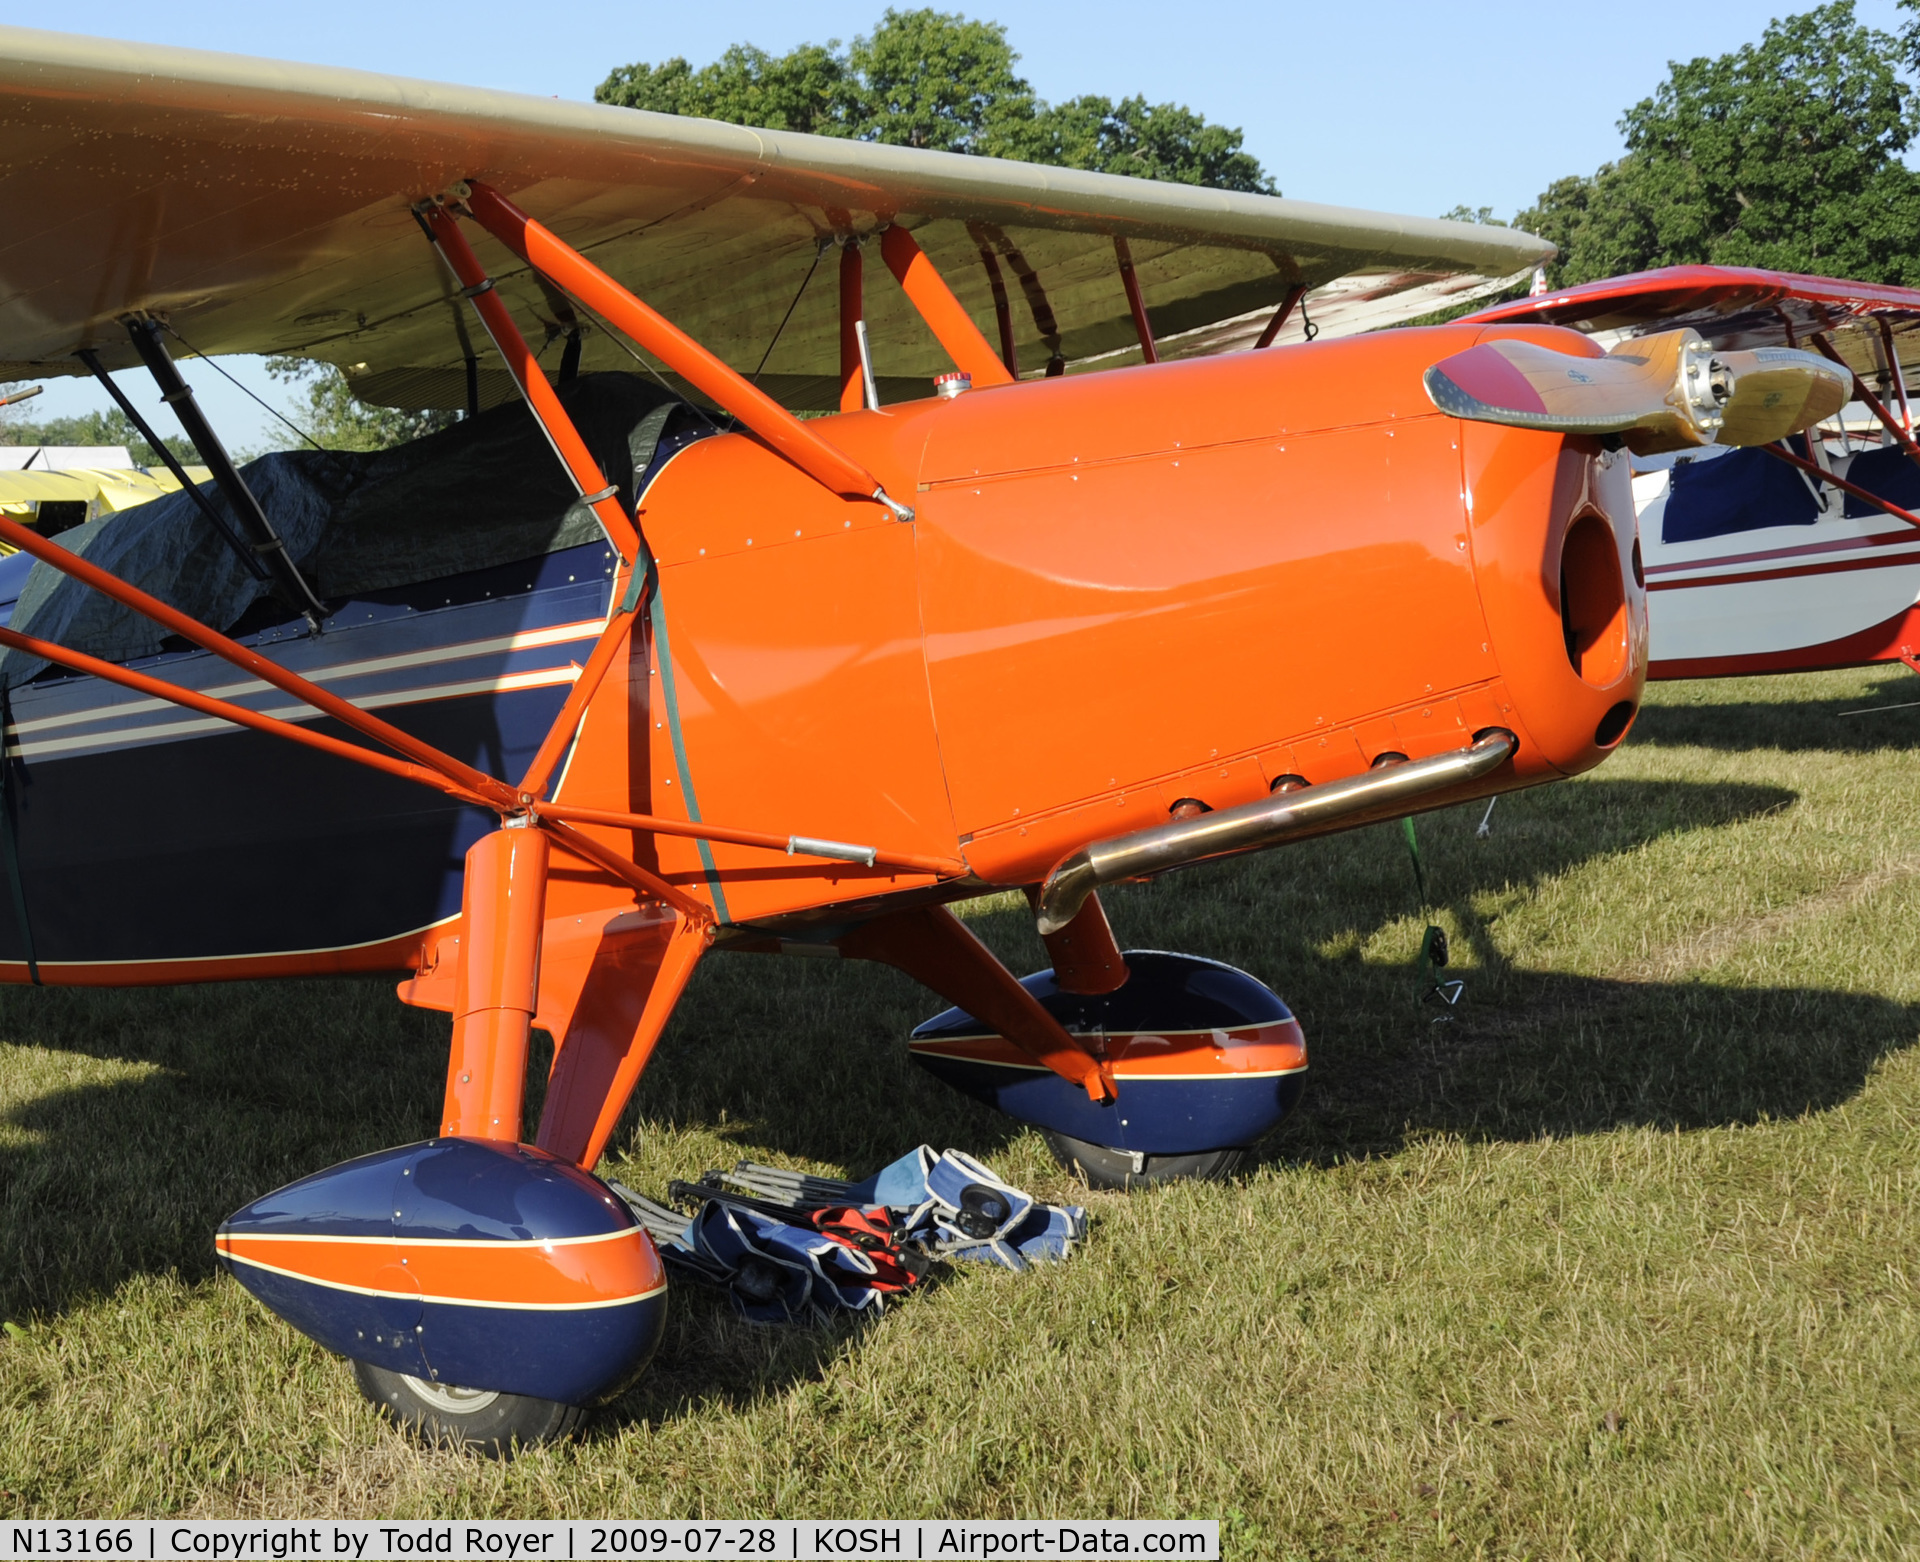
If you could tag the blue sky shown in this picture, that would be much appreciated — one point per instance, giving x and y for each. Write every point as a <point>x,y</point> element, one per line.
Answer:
<point>1404,107</point>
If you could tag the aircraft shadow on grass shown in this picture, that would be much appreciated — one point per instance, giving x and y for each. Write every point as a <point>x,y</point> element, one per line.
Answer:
<point>1883,721</point>
<point>235,1090</point>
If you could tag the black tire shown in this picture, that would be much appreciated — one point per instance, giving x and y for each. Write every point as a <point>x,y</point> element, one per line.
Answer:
<point>497,1425</point>
<point>1118,1170</point>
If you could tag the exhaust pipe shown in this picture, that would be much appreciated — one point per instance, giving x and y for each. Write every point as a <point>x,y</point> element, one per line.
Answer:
<point>1385,793</point>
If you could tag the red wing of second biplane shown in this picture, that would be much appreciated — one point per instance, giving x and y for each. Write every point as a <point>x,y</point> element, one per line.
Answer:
<point>624,668</point>
<point>1799,553</point>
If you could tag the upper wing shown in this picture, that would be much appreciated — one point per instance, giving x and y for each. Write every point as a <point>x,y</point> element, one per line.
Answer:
<point>264,207</point>
<point>1736,308</point>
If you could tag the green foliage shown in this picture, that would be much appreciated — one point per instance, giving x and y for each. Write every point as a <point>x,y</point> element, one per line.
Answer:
<point>932,79</point>
<point>1146,140</point>
<point>805,90</point>
<point>935,79</point>
<point>112,427</point>
<point>1783,154</point>
<point>334,417</point>
<point>1481,214</point>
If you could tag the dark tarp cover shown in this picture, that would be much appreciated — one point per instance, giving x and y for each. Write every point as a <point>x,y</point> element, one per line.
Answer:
<point>486,492</point>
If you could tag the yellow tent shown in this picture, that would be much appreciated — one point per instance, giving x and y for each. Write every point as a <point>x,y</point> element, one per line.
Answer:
<point>104,490</point>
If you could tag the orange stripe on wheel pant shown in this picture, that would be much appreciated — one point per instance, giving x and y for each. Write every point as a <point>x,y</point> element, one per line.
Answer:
<point>1277,1049</point>
<point>591,1272</point>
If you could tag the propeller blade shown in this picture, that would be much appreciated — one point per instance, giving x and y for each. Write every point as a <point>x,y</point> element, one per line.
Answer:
<point>1779,391</point>
<point>1670,391</point>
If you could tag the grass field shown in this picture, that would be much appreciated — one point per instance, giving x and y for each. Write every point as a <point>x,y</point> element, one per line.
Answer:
<point>1623,1262</point>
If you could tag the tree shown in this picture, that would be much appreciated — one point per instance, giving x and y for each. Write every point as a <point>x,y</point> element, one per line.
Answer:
<point>929,79</point>
<point>935,79</point>
<point>112,427</point>
<point>1147,140</point>
<point>806,90</point>
<point>337,419</point>
<point>1783,154</point>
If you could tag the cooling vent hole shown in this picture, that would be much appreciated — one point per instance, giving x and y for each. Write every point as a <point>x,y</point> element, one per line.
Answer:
<point>1613,726</point>
<point>1593,601</point>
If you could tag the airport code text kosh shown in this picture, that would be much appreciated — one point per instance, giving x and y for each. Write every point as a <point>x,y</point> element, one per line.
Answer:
<point>500,1540</point>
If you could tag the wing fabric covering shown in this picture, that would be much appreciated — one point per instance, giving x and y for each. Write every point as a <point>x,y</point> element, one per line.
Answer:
<point>264,208</point>
<point>483,493</point>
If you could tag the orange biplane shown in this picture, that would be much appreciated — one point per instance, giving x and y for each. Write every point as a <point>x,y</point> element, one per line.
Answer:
<point>633,665</point>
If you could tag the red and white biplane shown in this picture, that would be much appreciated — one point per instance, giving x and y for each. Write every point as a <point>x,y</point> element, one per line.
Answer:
<point>1790,557</point>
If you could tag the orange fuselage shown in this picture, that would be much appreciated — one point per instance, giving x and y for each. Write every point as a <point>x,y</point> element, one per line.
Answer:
<point>1118,591</point>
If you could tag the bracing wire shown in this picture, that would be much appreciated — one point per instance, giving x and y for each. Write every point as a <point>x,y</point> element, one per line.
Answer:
<point>819,250</point>
<point>646,363</point>
<point>214,364</point>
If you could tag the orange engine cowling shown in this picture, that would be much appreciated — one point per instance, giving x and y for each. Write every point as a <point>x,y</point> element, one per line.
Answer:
<point>1125,591</point>
<point>1195,580</point>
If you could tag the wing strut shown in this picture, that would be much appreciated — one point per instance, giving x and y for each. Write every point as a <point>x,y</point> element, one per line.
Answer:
<point>1874,405</point>
<point>1135,303</point>
<point>264,540</point>
<point>1821,475</point>
<point>220,523</point>
<point>857,389</point>
<point>573,273</point>
<point>596,493</point>
<point>1294,294</point>
<point>1002,311</point>
<point>1893,373</point>
<point>944,314</point>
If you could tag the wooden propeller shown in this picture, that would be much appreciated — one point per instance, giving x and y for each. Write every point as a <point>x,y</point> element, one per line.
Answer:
<point>1666,392</point>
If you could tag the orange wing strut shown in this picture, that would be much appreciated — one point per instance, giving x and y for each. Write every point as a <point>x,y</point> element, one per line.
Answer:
<point>239,715</point>
<point>1135,302</point>
<point>573,272</point>
<point>595,491</point>
<point>478,783</point>
<point>599,495</point>
<point>612,641</point>
<point>791,844</point>
<point>946,317</point>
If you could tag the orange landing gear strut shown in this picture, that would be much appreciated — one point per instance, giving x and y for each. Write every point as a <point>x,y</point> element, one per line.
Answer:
<point>496,984</point>
<point>937,949</point>
<point>1085,957</point>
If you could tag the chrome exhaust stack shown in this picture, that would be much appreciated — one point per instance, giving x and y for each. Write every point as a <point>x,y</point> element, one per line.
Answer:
<point>1386,793</point>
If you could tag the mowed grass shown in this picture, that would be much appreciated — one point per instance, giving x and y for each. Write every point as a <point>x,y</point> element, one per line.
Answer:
<point>1621,1262</point>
